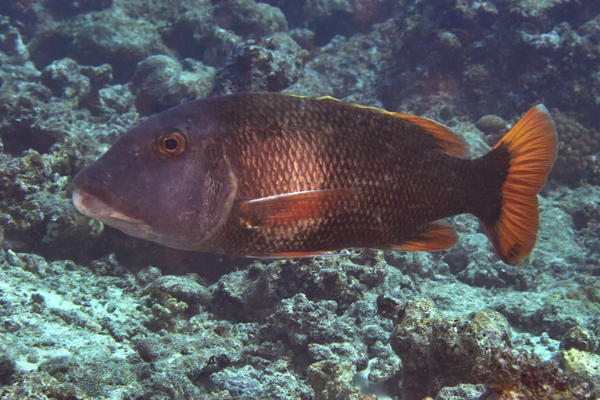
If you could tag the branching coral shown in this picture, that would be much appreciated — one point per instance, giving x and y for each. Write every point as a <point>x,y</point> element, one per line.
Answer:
<point>525,377</point>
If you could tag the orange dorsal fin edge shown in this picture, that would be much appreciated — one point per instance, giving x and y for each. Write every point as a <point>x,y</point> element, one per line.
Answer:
<point>532,146</point>
<point>449,142</point>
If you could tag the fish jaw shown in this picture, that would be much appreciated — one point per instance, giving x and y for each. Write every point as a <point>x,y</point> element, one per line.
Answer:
<point>97,201</point>
<point>95,208</point>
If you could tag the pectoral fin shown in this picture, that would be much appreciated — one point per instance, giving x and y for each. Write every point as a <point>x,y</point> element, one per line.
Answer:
<point>291,208</point>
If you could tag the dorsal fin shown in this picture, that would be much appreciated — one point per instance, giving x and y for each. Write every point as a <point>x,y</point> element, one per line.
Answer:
<point>449,142</point>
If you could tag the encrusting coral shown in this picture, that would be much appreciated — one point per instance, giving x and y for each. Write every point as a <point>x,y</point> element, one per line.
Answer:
<point>522,376</point>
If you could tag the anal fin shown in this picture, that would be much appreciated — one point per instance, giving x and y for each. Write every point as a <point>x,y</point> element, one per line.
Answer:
<point>302,254</point>
<point>437,236</point>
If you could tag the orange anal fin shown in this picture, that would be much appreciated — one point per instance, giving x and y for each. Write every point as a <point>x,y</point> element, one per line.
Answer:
<point>301,254</point>
<point>437,236</point>
<point>291,208</point>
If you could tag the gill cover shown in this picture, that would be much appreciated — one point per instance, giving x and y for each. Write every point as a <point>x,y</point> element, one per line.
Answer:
<point>220,189</point>
<point>203,190</point>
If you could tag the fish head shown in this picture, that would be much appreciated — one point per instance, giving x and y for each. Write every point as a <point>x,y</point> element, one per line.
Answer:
<point>167,180</point>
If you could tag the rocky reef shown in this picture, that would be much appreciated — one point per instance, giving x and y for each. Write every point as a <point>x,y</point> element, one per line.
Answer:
<point>90,313</point>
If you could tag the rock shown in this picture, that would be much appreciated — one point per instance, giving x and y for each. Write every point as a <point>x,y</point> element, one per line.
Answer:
<point>248,18</point>
<point>437,351</point>
<point>157,84</point>
<point>271,65</point>
<point>491,124</point>
<point>465,391</point>
<point>332,381</point>
<point>186,289</point>
<point>62,9</point>
<point>583,365</point>
<point>106,37</point>
<point>580,339</point>
<point>78,84</point>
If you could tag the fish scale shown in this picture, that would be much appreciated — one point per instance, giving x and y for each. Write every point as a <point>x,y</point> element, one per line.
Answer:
<point>361,173</point>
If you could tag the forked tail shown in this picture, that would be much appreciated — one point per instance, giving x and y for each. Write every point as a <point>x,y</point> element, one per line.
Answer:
<point>531,146</point>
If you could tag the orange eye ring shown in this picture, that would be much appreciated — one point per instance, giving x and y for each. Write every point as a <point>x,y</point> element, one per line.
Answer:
<point>171,143</point>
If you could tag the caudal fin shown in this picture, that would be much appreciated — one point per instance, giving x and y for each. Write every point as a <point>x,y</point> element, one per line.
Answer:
<point>532,145</point>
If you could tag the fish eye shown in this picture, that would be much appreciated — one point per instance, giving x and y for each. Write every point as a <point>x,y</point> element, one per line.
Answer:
<point>171,143</point>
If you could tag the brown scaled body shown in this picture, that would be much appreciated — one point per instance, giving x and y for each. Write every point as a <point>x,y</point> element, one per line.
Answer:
<point>265,174</point>
<point>364,178</point>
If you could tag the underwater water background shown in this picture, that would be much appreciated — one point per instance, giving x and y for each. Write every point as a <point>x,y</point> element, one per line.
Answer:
<point>87,312</point>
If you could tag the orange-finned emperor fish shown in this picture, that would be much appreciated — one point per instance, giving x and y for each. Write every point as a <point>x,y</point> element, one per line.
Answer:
<point>270,174</point>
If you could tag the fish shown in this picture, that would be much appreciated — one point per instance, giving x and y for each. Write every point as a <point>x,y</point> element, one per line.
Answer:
<point>279,175</point>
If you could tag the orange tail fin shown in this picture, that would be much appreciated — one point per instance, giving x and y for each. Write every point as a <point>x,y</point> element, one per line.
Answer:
<point>532,145</point>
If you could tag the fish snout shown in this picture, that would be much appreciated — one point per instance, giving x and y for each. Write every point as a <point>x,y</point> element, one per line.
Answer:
<point>96,200</point>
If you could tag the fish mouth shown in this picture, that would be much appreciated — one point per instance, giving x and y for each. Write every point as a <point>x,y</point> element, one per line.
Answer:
<point>93,207</point>
<point>96,200</point>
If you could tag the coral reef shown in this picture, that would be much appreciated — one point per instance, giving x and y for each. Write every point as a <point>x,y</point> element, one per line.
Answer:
<point>160,82</point>
<point>333,17</point>
<point>332,380</point>
<point>13,51</point>
<point>271,65</point>
<point>66,79</point>
<point>491,124</point>
<point>577,155</point>
<point>60,9</point>
<point>249,19</point>
<point>40,386</point>
<point>583,367</point>
<point>464,391</point>
<point>274,381</point>
<point>88,312</point>
<point>251,294</point>
<point>351,68</point>
<point>107,36</point>
<point>522,376</point>
<point>437,351</point>
<point>580,339</point>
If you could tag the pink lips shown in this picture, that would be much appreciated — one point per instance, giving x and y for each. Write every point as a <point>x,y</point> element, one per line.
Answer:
<point>93,207</point>
<point>88,205</point>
